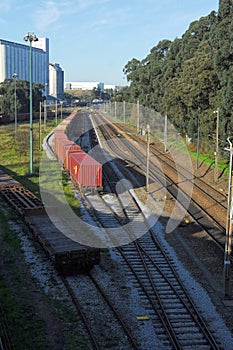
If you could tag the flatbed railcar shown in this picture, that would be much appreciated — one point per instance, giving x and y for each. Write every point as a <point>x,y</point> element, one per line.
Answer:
<point>66,254</point>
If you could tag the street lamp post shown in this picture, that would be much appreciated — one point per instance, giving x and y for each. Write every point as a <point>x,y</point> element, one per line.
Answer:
<point>31,37</point>
<point>14,76</point>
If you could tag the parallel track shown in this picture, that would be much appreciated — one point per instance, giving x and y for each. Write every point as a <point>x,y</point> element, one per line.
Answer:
<point>177,322</point>
<point>211,209</point>
<point>78,303</point>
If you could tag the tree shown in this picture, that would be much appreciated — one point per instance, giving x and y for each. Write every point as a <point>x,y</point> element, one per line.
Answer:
<point>7,96</point>
<point>189,76</point>
<point>221,39</point>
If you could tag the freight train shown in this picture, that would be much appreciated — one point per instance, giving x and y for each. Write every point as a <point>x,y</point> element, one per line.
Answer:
<point>84,170</point>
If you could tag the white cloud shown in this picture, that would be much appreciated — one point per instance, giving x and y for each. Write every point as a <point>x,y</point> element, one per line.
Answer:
<point>46,15</point>
<point>83,4</point>
<point>113,18</point>
<point>51,12</point>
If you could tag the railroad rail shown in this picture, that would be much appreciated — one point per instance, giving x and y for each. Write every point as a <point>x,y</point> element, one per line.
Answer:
<point>177,322</point>
<point>209,213</point>
<point>5,337</point>
<point>65,253</point>
<point>103,214</point>
<point>70,284</point>
<point>100,338</point>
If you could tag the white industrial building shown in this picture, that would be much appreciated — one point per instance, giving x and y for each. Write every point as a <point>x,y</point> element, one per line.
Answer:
<point>56,81</point>
<point>111,87</point>
<point>15,58</point>
<point>75,85</point>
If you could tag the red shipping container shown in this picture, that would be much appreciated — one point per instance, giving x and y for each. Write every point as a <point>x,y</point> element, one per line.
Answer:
<point>64,146</point>
<point>68,157</point>
<point>69,149</point>
<point>85,170</point>
<point>58,131</point>
<point>58,137</point>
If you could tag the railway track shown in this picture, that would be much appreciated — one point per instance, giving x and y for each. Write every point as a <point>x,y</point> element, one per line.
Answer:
<point>109,321</point>
<point>207,205</point>
<point>110,330</point>
<point>178,323</point>
<point>99,334</point>
<point>212,196</point>
<point>176,320</point>
<point>5,336</point>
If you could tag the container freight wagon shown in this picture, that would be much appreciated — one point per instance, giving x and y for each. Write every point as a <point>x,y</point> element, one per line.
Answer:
<point>57,138</point>
<point>65,146</point>
<point>85,170</point>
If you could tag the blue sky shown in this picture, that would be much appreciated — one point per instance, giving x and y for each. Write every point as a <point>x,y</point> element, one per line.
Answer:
<point>92,40</point>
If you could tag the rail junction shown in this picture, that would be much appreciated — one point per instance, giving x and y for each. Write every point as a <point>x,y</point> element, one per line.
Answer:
<point>176,320</point>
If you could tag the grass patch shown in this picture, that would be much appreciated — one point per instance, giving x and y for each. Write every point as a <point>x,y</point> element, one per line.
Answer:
<point>18,312</point>
<point>15,157</point>
<point>15,148</point>
<point>25,329</point>
<point>209,159</point>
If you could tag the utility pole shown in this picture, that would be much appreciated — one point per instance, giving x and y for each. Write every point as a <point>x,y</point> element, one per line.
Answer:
<point>45,114</point>
<point>40,126</point>
<point>61,109</point>
<point>229,224</point>
<point>124,112</point>
<point>165,133</point>
<point>147,158</point>
<point>138,115</point>
<point>56,112</point>
<point>115,110</point>
<point>198,140</point>
<point>216,151</point>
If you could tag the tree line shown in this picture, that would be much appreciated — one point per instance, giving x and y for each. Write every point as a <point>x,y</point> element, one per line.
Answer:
<point>190,77</point>
<point>9,87</point>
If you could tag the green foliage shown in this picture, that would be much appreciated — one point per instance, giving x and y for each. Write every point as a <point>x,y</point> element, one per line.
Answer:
<point>99,94</point>
<point>189,77</point>
<point>22,89</point>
